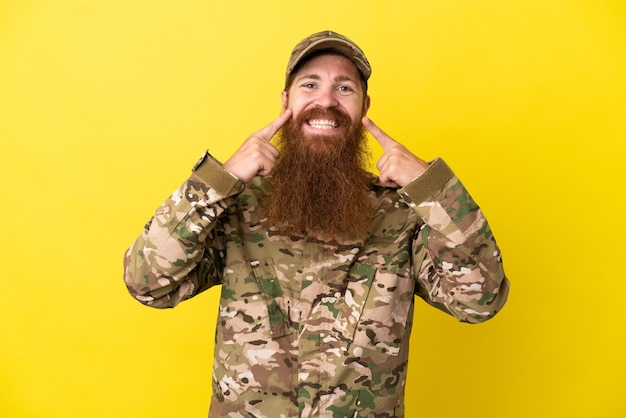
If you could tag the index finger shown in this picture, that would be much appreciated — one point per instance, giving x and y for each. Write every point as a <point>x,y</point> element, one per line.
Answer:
<point>270,130</point>
<point>383,139</point>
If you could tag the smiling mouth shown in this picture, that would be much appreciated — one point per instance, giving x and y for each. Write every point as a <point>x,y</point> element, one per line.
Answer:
<point>323,123</point>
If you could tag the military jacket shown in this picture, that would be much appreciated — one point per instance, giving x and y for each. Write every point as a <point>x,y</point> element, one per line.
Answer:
<point>312,328</point>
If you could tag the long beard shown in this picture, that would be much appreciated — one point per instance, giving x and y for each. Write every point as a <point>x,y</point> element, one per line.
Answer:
<point>319,185</point>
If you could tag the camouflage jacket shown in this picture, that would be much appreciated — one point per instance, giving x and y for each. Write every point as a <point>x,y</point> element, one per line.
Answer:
<point>310,328</point>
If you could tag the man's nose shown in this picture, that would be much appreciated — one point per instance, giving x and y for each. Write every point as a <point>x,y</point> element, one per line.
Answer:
<point>326,98</point>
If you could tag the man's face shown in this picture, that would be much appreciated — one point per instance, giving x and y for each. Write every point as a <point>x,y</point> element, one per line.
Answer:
<point>326,82</point>
<point>319,184</point>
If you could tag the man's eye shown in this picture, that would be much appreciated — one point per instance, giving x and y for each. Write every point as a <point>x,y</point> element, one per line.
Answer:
<point>345,89</point>
<point>308,85</point>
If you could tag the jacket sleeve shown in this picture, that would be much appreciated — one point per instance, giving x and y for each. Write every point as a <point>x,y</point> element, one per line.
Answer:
<point>178,253</point>
<point>458,265</point>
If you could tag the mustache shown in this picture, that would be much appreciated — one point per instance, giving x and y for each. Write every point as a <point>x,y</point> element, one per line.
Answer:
<point>324,113</point>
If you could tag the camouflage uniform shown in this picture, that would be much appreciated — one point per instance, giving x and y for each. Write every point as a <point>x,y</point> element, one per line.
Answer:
<point>311,328</point>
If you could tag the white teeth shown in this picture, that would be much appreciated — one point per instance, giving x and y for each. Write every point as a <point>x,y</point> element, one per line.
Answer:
<point>323,124</point>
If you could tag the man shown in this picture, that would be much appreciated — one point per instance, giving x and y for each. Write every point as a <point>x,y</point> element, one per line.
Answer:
<point>318,259</point>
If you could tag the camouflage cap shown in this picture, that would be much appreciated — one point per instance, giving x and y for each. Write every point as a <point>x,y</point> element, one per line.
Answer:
<point>328,40</point>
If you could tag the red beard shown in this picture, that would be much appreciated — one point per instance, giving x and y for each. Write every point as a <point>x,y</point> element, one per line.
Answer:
<point>319,185</point>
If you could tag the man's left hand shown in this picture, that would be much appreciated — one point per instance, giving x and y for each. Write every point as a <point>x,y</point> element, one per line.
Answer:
<point>397,166</point>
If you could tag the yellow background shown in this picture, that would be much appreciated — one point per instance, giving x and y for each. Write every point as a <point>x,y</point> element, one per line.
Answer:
<point>106,104</point>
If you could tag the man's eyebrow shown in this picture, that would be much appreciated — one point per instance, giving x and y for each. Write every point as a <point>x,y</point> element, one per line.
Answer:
<point>311,76</point>
<point>345,78</point>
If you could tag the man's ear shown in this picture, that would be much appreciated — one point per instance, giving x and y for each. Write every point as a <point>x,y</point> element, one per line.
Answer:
<point>366,105</point>
<point>284,99</point>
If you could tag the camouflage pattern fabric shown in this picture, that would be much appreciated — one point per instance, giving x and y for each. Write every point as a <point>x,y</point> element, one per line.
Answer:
<point>308,328</point>
<point>326,40</point>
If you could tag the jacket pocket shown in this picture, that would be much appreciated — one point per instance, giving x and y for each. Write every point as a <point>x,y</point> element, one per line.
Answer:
<point>379,302</point>
<point>250,305</point>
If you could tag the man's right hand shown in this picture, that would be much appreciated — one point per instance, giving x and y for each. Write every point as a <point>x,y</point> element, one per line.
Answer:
<point>257,156</point>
